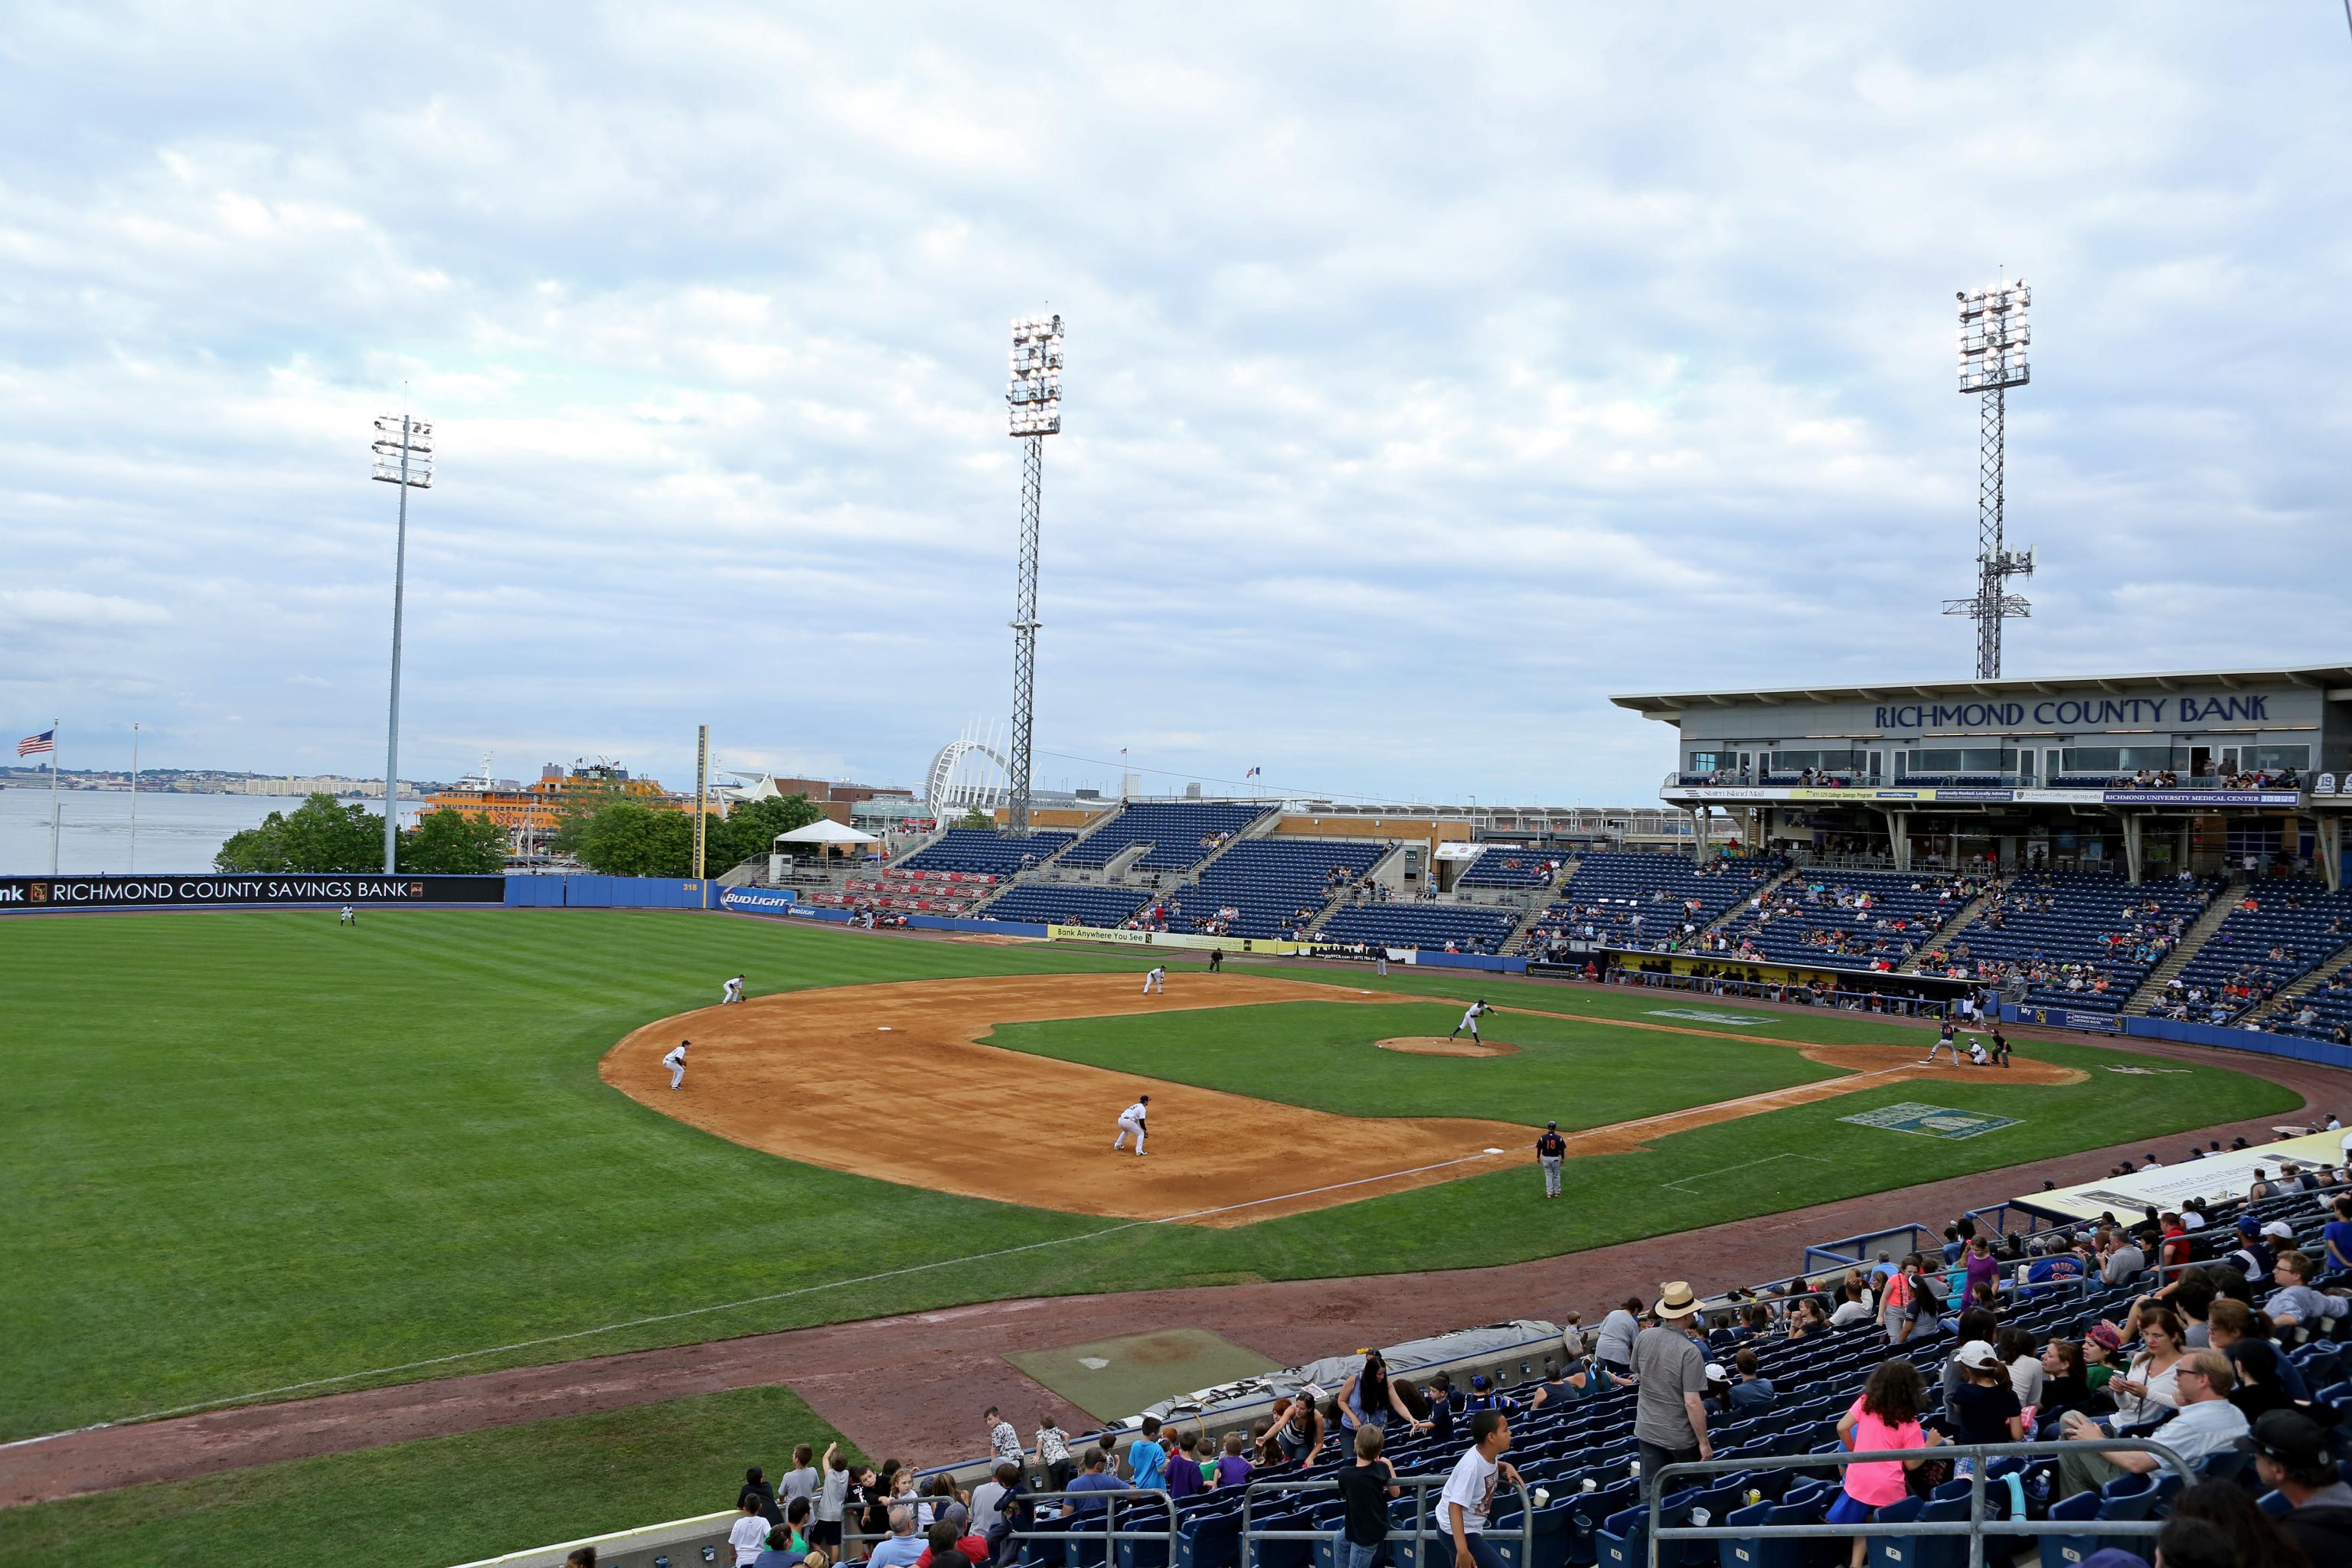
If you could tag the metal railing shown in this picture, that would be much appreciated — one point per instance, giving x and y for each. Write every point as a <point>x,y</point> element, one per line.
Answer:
<point>1422,1531</point>
<point>1975,1527</point>
<point>1075,1525</point>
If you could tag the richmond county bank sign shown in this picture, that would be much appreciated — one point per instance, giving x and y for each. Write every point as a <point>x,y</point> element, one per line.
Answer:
<point>27,893</point>
<point>2068,713</point>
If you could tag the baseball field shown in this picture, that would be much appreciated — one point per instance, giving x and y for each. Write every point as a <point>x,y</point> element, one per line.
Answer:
<point>252,1157</point>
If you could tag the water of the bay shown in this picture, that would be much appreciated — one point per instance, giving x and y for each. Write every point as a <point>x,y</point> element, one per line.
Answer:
<point>176,832</point>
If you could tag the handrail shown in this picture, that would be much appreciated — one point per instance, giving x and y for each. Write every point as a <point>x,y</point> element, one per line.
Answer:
<point>1110,1532</point>
<point>1421,1523</point>
<point>1973,1527</point>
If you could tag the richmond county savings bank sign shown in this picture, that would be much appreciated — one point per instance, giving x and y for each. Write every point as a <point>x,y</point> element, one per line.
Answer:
<point>20,894</point>
<point>2070,713</point>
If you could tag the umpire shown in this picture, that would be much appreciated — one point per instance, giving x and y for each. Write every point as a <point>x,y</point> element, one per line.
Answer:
<point>1550,1150</point>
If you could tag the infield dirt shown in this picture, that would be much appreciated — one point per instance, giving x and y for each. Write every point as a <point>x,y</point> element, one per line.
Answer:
<point>891,1081</point>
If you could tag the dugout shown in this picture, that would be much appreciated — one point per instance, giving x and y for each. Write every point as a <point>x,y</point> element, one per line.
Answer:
<point>2146,776</point>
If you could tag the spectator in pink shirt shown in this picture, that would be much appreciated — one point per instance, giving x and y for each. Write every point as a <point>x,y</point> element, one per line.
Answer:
<point>1886,1417</point>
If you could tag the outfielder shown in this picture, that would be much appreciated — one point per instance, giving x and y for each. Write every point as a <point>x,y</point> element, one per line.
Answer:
<point>1156,979</point>
<point>1550,1150</point>
<point>675,1062</point>
<point>1478,1010</point>
<point>1945,1040</point>
<point>349,916</point>
<point>1131,1120</point>
<point>731,992</point>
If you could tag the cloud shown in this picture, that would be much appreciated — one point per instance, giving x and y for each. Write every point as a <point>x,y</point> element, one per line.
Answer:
<point>1425,384</point>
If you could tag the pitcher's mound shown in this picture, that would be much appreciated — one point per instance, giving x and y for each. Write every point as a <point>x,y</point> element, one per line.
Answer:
<point>1438,1045</point>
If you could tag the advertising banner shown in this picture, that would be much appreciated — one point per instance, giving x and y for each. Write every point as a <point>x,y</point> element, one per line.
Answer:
<point>762,901</point>
<point>22,894</point>
<point>2212,1178</point>
<point>1174,939</point>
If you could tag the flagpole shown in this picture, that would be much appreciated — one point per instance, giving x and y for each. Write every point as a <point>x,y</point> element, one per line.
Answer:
<point>134,795</point>
<point>54,820</point>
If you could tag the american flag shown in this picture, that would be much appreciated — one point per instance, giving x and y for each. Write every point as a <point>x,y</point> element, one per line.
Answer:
<point>47,740</point>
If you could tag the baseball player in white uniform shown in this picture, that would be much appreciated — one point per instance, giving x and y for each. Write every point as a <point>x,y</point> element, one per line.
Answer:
<point>1478,1010</point>
<point>1977,1054</point>
<point>1156,979</point>
<point>675,1062</point>
<point>349,916</point>
<point>731,992</point>
<point>1131,1120</point>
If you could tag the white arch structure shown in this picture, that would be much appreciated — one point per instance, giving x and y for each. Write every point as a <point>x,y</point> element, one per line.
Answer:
<point>969,773</point>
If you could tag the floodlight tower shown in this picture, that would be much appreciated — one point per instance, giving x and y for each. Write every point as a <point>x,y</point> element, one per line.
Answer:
<point>404,456</point>
<point>1993,339</point>
<point>1033,401</point>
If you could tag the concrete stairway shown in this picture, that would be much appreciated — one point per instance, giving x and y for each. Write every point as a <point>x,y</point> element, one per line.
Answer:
<point>2306,982</point>
<point>1951,929</point>
<point>2151,990</point>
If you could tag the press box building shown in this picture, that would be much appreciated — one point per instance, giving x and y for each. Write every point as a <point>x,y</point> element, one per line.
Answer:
<point>2019,770</point>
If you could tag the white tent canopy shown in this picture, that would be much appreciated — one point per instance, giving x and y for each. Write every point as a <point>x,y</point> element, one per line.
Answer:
<point>824,830</point>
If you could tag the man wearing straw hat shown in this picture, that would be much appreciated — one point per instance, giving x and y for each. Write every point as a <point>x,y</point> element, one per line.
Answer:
<point>1670,1410</point>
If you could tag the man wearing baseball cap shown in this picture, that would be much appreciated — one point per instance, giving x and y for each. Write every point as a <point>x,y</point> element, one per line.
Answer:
<point>1670,1407</point>
<point>2292,1456</point>
<point>1550,1150</point>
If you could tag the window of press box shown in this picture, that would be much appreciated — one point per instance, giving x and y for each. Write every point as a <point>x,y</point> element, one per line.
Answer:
<point>2120,759</point>
<point>2272,758</point>
<point>1963,759</point>
<point>1839,760</point>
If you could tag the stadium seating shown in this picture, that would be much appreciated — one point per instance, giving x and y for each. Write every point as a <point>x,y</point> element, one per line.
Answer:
<point>1470,928</point>
<point>2331,1003</point>
<point>2281,930</point>
<point>1509,866</point>
<point>2083,940</point>
<point>1851,919</point>
<point>1634,900</point>
<point>1182,834</point>
<point>1065,903</point>
<point>983,850</point>
<point>1267,881</point>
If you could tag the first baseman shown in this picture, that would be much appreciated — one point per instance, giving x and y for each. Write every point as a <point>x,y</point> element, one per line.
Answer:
<point>1155,979</point>
<point>675,1062</point>
<point>1478,1010</point>
<point>1131,1120</point>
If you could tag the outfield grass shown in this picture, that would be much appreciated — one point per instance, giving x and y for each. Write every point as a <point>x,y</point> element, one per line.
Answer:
<point>249,1151</point>
<point>439,1499</point>
<point>1324,1054</point>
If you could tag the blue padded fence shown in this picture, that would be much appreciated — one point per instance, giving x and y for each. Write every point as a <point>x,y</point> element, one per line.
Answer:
<point>2260,1042</point>
<point>591,892</point>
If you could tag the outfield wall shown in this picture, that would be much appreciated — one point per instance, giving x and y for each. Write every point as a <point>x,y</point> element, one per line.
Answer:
<point>2260,1042</point>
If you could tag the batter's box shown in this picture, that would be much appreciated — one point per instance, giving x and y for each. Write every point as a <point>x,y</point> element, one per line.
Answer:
<point>1930,1121</point>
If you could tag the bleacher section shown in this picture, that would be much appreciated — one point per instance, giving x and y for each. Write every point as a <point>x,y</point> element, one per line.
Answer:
<point>2281,929</point>
<point>916,892</point>
<point>1620,895</point>
<point>2083,940</point>
<point>1060,903</point>
<point>1182,834</point>
<point>1268,881</point>
<point>1507,866</point>
<point>1471,928</point>
<point>1850,919</point>
<point>983,850</point>
<point>2331,1005</point>
<point>1577,1453</point>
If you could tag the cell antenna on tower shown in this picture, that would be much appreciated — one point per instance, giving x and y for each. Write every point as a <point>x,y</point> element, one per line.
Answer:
<point>1993,339</point>
<point>1033,401</point>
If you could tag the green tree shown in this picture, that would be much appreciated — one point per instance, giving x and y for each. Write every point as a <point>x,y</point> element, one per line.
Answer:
<point>750,829</point>
<point>452,844</point>
<point>975,818</point>
<point>323,834</point>
<point>630,838</point>
<point>585,793</point>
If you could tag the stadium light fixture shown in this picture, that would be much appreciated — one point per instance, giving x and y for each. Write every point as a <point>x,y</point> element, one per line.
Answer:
<point>1994,336</point>
<point>404,456</point>
<point>1033,405</point>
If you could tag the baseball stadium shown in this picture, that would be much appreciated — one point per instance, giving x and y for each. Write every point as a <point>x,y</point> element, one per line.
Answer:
<point>1910,1135</point>
<point>433,1223</point>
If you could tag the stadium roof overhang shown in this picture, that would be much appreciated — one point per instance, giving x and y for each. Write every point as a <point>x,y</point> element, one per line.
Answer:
<point>2335,681</point>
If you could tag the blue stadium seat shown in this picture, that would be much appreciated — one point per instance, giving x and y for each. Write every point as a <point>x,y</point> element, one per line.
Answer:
<point>983,850</point>
<point>1182,834</point>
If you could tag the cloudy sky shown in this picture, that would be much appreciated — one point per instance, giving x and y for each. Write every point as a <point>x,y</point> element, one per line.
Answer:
<point>1434,371</point>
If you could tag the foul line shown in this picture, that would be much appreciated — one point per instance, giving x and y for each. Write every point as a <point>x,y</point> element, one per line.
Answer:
<point>317,1383</point>
<point>1680,1186</point>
